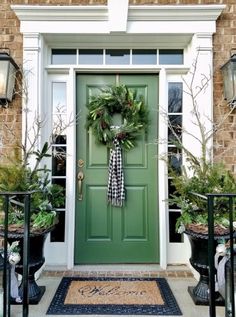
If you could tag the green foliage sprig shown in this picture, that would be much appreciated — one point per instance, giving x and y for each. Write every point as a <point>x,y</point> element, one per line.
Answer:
<point>121,100</point>
<point>216,180</point>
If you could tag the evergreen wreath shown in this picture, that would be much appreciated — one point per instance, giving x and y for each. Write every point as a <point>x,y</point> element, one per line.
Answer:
<point>121,100</point>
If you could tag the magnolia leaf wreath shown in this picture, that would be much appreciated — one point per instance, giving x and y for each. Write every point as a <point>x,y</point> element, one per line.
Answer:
<point>102,107</point>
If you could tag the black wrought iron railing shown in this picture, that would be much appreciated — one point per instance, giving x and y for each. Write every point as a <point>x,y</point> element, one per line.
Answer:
<point>230,268</point>
<point>6,267</point>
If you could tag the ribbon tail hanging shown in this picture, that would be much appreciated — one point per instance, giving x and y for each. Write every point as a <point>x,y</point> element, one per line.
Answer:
<point>116,188</point>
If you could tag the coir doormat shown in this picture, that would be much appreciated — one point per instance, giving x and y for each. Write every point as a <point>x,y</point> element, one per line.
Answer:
<point>113,296</point>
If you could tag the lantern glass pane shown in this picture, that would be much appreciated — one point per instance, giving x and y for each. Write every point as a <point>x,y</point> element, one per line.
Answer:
<point>11,82</point>
<point>3,78</point>
<point>229,79</point>
<point>234,78</point>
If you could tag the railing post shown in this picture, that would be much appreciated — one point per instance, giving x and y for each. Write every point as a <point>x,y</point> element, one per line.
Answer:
<point>6,266</point>
<point>6,272</point>
<point>231,252</point>
<point>26,254</point>
<point>211,254</point>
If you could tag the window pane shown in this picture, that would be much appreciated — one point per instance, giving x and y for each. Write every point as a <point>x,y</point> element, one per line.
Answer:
<point>91,57</point>
<point>59,161</point>
<point>58,234</point>
<point>174,236</point>
<point>59,181</point>
<point>63,56</point>
<point>171,191</point>
<point>59,123</point>
<point>59,139</point>
<point>59,97</point>
<point>171,57</point>
<point>176,128</point>
<point>175,97</point>
<point>144,57</point>
<point>62,183</point>
<point>114,57</point>
<point>175,159</point>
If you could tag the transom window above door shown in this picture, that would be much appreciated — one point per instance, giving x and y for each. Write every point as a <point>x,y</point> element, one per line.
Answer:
<point>117,56</point>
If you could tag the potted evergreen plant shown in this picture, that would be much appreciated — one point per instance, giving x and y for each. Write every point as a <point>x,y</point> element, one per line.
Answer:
<point>17,177</point>
<point>206,178</point>
<point>199,176</point>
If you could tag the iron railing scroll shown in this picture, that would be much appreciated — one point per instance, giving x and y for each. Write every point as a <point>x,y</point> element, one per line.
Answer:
<point>26,196</point>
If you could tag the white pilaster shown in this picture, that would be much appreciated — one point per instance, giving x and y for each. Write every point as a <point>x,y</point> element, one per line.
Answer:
<point>202,76</point>
<point>31,78</point>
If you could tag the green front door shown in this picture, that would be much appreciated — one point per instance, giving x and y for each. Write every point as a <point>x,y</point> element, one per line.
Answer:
<point>106,234</point>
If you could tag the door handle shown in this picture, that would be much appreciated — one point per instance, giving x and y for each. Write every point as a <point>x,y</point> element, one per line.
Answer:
<point>80,178</point>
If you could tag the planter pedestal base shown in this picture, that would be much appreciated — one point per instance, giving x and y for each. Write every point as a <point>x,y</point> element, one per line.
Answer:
<point>35,292</point>
<point>35,262</point>
<point>199,261</point>
<point>32,300</point>
<point>200,301</point>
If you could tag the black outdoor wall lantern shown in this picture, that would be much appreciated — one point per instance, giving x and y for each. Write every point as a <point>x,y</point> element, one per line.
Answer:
<point>8,69</point>
<point>229,80</point>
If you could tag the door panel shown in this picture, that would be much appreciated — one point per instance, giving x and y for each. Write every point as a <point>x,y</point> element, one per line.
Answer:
<point>107,234</point>
<point>135,209</point>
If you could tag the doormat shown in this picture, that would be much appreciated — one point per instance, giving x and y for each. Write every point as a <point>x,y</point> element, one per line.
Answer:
<point>113,296</point>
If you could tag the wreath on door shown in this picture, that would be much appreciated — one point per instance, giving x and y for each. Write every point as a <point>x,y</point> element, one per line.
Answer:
<point>102,107</point>
<point>117,100</point>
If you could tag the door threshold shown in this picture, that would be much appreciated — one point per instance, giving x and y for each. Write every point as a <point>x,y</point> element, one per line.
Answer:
<point>119,270</point>
<point>118,267</point>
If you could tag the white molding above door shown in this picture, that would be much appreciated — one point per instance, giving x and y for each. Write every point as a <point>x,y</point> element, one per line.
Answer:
<point>101,19</point>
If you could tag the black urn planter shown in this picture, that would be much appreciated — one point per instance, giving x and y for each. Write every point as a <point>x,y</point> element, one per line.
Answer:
<point>199,261</point>
<point>36,260</point>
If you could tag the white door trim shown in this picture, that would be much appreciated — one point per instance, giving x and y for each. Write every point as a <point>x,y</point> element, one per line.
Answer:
<point>191,26</point>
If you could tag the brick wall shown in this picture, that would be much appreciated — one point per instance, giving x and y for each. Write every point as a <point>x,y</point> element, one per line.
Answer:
<point>224,41</point>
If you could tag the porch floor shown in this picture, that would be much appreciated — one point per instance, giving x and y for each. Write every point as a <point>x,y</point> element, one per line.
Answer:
<point>178,277</point>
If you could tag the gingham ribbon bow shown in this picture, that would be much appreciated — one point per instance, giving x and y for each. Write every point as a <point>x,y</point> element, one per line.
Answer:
<point>116,188</point>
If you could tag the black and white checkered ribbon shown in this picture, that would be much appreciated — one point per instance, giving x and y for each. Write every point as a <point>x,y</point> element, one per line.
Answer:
<point>116,188</point>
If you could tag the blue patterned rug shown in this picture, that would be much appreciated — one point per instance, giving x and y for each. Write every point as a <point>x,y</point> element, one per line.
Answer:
<point>114,296</point>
